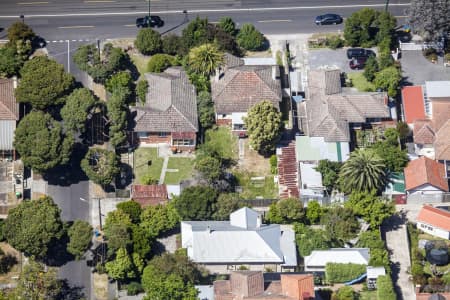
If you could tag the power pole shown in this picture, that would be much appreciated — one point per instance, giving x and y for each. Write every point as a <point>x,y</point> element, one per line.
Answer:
<point>148,9</point>
<point>386,8</point>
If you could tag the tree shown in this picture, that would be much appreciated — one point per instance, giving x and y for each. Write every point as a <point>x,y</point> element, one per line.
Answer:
<point>226,204</point>
<point>100,165</point>
<point>141,90</point>
<point>132,209</point>
<point>371,239</point>
<point>195,33</point>
<point>117,230</point>
<point>340,223</point>
<point>19,31</point>
<point>371,68</point>
<point>159,62</point>
<point>388,80</point>
<point>10,62</point>
<point>117,114</point>
<point>227,24</point>
<point>385,288</point>
<point>34,226</point>
<point>345,293</point>
<point>172,44</point>
<point>210,167</point>
<point>141,241</point>
<point>371,208</point>
<point>250,38</point>
<point>286,211</point>
<point>44,83</point>
<point>120,80</point>
<point>205,59</point>
<point>308,239</point>
<point>386,24</point>
<point>80,234</point>
<point>77,108</point>
<point>363,171</point>
<point>330,173</point>
<point>159,219</point>
<point>264,126</point>
<point>148,41</point>
<point>205,109</point>
<point>195,203</point>
<point>358,28</point>
<point>314,211</point>
<point>394,158</point>
<point>121,267</point>
<point>431,19</point>
<point>41,143</point>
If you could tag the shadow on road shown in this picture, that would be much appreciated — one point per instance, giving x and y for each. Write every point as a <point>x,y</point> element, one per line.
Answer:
<point>69,292</point>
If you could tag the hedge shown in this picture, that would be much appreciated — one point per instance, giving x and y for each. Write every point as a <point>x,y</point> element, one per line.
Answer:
<point>385,288</point>
<point>338,273</point>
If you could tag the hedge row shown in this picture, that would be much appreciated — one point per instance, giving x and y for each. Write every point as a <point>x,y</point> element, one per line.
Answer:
<point>385,288</point>
<point>338,273</point>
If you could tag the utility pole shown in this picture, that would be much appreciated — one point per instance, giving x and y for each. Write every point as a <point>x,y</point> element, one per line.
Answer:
<point>385,9</point>
<point>148,9</point>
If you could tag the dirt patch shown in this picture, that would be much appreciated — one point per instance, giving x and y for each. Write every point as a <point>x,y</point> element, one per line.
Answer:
<point>101,286</point>
<point>253,162</point>
<point>13,274</point>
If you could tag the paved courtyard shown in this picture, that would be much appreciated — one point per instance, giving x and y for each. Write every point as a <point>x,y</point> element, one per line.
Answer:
<point>417,69</point>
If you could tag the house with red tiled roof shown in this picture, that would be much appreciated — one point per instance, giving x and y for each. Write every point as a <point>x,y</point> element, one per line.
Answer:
<point>424,137</point>
<point>425,176</point>
<point>149,195</point>
<point>9,114</point>
<point>413,104</point>
<point>434,221</point>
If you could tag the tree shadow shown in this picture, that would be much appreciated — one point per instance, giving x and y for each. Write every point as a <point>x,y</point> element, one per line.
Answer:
<point>57,254</point>
<point>69,292</point>
<point>125,177</point>
<point>395,269</point>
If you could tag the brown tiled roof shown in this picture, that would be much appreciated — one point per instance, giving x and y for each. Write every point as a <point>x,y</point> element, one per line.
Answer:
<point>9,109</point>
<point>170,105</point>
<point>440,112</point>
<point>146,195</point>
<point>442,142</point>
<point>298,286</point>
<point>329,111</point>
<point>288,172</point>
<point>222,290</point>
<point>423,132</point>
<point>425,171</point>
<point>413,104</point>
<point>434,216</point>
<point>241,87</point>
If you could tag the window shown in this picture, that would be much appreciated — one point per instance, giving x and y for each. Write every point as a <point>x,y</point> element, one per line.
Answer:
<point>142,134</point>
<point>162,134</point>
<point>183,142</point>
<point>239,127</point>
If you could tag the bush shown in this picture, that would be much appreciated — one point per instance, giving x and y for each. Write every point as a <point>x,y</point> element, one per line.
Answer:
<point>227,24</point>
<point>371,68</point>
<point>172,44</point>
<point>148,41</point>
<point>159,62</point>
<point>148,179</point>
<point>134,288</point>
<point>273,164</point>
<point>141,90</point>
<point>250,38</point>
<point>385,288</point>
<point>338,273</point>
<point>334,42</point>
<point>345,293</point>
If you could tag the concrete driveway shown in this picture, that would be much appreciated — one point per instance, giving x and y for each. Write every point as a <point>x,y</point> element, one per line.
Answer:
<point>318,58</point>
<point>417,69</point>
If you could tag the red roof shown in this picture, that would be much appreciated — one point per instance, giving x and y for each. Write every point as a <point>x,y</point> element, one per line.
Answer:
<point>434,216</point>
<point>147,195</point>
<point>288,173</point>
<point>9,109</point>
<point>425,171</point>
<point>298,286</point>
<point>413,104</point>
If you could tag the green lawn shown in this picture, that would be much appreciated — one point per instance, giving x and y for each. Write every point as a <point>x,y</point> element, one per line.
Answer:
<point>222,141</point>
<point>184,165</point>
<point>141,168</point>
<point>250,190</point>
<point>360,82</point>
<point>140,62</point>
<point>368,295</point>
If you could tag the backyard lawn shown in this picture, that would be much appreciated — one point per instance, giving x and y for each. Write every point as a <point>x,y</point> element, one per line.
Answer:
<point>360,82</point>
<point>258,187</point>
<point>141,167</point>
<point>140,61</point>
<point>184,166</point>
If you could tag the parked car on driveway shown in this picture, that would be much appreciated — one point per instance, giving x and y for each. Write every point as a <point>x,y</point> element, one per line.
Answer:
<point>152,21</point>
<point>358,63</point>
<point>328,19</point>
<point>359,52</point>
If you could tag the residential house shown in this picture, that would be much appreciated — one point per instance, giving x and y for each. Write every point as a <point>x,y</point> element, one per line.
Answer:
<point>9,116</point>
<point>250,285</point>
<point>434,221</point>
<point>424,176</point>
<point>442,146</point>
<point>256,246</point>
<point>424,138</point>
<point>149,195</point>
<point>413,104</point>
<point>169,114</point>
<point>318,259</point>
<point>236,87</point>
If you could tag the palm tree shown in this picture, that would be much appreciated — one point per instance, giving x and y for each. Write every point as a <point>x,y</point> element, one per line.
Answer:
<point>205,59</point>
<point>363,171</point>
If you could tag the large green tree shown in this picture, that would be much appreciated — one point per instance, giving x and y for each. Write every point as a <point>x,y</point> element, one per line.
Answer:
<point>77,108</point>
<point>160,62</point>
<point>19,31</point>
<point>330,173</point>
<point>159,219</point>
<point>132,209</point>
<point>371,208</point>
<point>196,203</point>
<point>117,114</point>
<point>308,239</point>
<point>34,226</point>
<point>205,59</point>
<point>264,126</point>
<point>286,211</point>
<point>10,62</point>
<point>431,18</point>
<point>117,229</point>
<point>41,143</point>
<point>80,235</point>
<point>100,165</point>
<point>249,37</point>
<point>205,108</point>
<point>209,166</point>
<point>226,204</point>
<point>196,33</point>
<point>340,223</point>
<point>43,83</point>
<point>388,80</point>
<point>121,267</point>
<point>314,211</point>
<point>148,41</point>
<point>358,28</point>
<point>363,171</point>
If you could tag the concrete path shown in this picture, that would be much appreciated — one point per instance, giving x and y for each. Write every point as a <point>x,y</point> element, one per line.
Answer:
<point>164,170</point>
<point>396,237</point>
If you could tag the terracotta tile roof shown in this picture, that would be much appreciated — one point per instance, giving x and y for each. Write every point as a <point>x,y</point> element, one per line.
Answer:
<point>9,109</point>
<point>288,172</point>
<point>442,142</point>
<point>240,87</point>
<point>440,112</point>
<point>423,132</point>
<point>147,195</point>
<point>413,103</point>
<point>425,171</point>
<point>171,103</point>
<point>298,286</point>
<point>434,216</point>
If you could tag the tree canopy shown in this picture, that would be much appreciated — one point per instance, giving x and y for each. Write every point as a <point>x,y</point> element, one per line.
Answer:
<point>308,239</point>
<point>10,62</point>
<point>77,108</point>
<point>100,165</point>
<point>264,126</point>
<point>226,204</point>
<point>117,114</point>
<point>205,108</point>
<point>330,173</point>
<point>388,80</point>
<point>34,226</point>
<point>80,235</point>
<point>132,209</point>
<point>41,143</point>
<point>249,37</point>
<point>196,203</point>
<point>196,33</point>
<point>314,211</point>
<point>227,24</point>
<point>371,208</point>
<point>205,59</point>
<point>340,223</point>
<point>286,211</point>
<point>43,83</point>
<point>122,266</point>
<point>159,219</point>
<point>431,19</point>
<point>148,41</point>
<point>19,31</point>
<point>358,28</point>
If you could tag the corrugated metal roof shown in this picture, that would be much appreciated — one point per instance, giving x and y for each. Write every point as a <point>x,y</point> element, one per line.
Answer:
<point>259,61</point>
<point>7,128</point>
<point>438,89</point>
<point>319,258</point>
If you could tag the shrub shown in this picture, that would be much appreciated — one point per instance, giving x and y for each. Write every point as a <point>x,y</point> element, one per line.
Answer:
<point>345,293</point>
<point>227,24</point>
<point>147,179</point>
<point>159,62</point>
<point>371,68</point>
<point>385,288</point>
<point>273,164</point>
<point>250,38</point>
<point>141,90</point>
<point>148,41</point>
<point>334,42</point>
<point>338,273</point>
<point>134,288</point>
<point>172,44</point>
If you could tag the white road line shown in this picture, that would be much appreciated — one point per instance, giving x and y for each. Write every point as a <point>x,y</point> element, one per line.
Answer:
<point>245,10</point>
<point>130,25</point>
<point>74,40</point>
<point>54,41</point>
<point>76,27</point>
<point>32,3</point>
<point>274,21</point>
<point>98,1</point>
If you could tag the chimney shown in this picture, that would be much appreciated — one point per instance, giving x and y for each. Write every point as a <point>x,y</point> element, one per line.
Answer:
<point>274,72</point>
<point>218,74</point>
<point>208,229</point>
<point>15,82</point>
<point>258,221</point>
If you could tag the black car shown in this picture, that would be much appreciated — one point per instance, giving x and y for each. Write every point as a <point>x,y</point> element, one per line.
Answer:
<point>153,21</point>
<point>329,19</point>
<point>359,52</point>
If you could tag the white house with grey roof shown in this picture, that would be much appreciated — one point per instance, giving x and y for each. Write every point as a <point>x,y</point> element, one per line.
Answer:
<point>224,246</point>
<point>318,259</point>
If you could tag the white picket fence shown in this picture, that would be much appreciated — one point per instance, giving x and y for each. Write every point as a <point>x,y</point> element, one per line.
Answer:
<point>411,46</point>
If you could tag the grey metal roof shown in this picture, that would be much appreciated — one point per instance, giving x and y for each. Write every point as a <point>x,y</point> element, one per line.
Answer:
<point>438,89</point>
<point>319,258</point>
<point>7,128</point>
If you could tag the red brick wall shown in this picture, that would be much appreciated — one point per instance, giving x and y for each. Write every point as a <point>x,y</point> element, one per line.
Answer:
<point>154,138</point>
<point>222,122</point>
